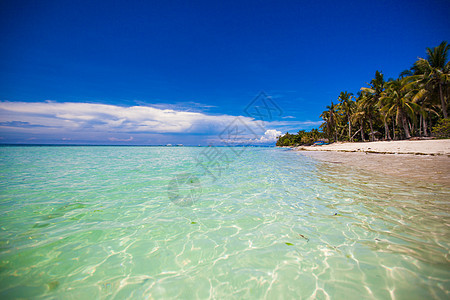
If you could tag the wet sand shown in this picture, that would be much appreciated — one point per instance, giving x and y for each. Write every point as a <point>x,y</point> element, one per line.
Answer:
<point>423,168</point>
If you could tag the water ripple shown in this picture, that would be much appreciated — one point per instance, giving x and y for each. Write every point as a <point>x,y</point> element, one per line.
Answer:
<point>97,222</point>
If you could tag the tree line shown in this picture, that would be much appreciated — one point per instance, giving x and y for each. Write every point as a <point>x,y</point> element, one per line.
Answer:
<point>413,105</point>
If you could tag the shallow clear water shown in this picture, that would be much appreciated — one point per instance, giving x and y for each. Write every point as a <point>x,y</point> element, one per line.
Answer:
<point>149,222</point>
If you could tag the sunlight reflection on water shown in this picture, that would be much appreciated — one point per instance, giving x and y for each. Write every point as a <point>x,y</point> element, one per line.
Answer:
<point>98,222</point>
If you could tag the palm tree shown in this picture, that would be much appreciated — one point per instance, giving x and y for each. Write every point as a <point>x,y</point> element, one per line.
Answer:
<point>347,106</point>
<point>385,116</point>
<point>372,98</point>
<point>434,73</point>
<point>359,115</point>
<point>330,116</point>
<point>396,101</point>
<point>424,98</point>
<point>326,126</point>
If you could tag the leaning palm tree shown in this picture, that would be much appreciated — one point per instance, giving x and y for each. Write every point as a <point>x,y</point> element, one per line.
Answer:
<point>359,115</point>
<point>372,97</point>
<point>420,95</point>
<point>330,116</point>
<point>434,73</point>
<point>396,102</point>
<point>347,106</point>
<point>326,126</point>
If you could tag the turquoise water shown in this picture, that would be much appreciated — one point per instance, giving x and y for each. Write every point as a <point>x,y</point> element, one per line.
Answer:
<point>154,222</point>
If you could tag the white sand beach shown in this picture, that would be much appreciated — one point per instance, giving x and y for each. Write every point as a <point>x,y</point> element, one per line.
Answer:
<point>426,147</point>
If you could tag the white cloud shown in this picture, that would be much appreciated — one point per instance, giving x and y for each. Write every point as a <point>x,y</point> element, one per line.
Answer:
<point>86,122</point>
<point>102,122</point>
<point>270,136</point>
<point>108,118</point>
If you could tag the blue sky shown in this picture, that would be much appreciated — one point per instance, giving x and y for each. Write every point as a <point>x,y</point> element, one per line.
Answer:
<point>157,72</point>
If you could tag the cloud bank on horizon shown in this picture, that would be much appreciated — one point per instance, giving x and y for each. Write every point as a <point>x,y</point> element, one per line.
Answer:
<point>70,122</point>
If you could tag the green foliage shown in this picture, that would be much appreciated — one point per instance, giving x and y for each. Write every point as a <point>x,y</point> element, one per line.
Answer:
<point>442,129</point>
<point>301,138</point>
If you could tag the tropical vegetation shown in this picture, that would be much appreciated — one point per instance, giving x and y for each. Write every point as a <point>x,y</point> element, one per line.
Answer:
<point>414,105</point>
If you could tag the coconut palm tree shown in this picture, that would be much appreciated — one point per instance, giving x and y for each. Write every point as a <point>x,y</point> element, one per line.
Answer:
<point>330,116</point>
<point>434,73</point>
<point>420,95</point>
<point>385,117</point>
<point>359,115</point>
<point>396,102</point>
<point>347,106</point>
<point>372,97</point>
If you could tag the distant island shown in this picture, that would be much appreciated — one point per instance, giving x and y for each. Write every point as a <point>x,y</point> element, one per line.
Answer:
<point>413,106</point>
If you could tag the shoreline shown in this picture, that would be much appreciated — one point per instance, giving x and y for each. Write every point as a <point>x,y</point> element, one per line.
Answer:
<point>421,161</point>
<point>416,147</point>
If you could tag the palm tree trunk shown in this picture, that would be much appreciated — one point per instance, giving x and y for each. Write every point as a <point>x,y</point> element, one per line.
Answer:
<point>356,133</point>
<point>425,130</point>
<point>393,128</point>
<point>362,132</point>
<point>443,104</point>
<point>371,129</point>
<point>420,125</point>
<point>349,128</point>
<point>387,136</point>
<point>405,126</point>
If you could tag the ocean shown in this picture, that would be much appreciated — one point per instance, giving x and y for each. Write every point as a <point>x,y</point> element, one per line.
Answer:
<point>106,222</point>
